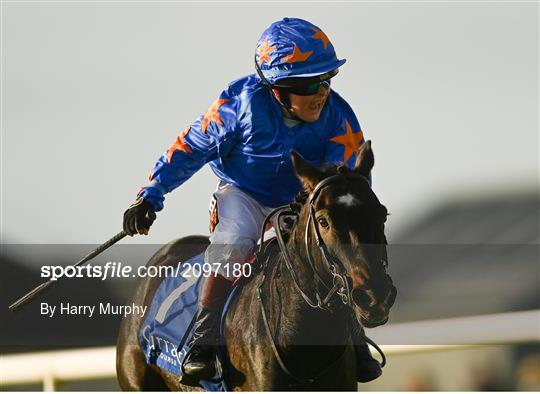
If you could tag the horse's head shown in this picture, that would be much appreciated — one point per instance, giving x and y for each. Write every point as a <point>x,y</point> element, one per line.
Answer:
<point>344,216</point>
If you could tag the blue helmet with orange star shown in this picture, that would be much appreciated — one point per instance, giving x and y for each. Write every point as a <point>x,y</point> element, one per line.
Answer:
<point>294,48</point>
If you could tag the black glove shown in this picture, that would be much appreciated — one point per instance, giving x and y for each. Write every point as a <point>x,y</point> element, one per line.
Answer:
<point>138,218</point>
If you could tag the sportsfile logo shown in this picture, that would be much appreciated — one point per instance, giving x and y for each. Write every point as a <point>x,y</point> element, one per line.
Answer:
<point>110,270</point>
<point>119,270</point>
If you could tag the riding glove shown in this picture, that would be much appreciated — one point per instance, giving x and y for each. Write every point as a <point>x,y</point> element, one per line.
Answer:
<point>138,218</point>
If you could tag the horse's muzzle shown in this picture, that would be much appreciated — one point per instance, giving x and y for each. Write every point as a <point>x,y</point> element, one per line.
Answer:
<point>374,308</point>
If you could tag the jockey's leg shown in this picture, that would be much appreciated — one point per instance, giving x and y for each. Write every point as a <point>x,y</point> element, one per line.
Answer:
<point>239,220</point>
<point>367,368</point>
<point>199,363</point>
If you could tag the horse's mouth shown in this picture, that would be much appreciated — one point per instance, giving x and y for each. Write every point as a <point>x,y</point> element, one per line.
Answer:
<point>369,322</point>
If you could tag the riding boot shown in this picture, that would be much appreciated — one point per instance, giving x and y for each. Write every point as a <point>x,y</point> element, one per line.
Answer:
<point>367,368</point>
<point>199,363</point>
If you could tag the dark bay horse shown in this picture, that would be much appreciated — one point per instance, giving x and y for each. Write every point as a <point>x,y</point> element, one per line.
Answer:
<point>289,326</point>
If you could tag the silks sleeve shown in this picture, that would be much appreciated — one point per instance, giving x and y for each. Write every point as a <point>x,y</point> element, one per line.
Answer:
<point>212,135</point>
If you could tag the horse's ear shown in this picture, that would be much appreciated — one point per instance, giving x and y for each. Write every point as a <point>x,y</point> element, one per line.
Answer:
<point>309,175</point>
<point>365,160</point>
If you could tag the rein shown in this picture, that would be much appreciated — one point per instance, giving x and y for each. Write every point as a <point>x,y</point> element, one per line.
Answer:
<point>340,283</point>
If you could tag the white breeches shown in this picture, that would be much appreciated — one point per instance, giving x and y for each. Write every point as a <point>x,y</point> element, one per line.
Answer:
<point>238,229</point>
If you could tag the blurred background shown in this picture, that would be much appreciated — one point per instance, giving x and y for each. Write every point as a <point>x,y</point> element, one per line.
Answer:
<point>93,93</point>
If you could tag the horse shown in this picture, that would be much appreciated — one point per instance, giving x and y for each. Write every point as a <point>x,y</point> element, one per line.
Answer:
<point>288,328</point>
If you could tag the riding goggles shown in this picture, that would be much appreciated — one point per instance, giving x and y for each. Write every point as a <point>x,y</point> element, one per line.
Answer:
<point>310,89</point>
<point>306,86</point>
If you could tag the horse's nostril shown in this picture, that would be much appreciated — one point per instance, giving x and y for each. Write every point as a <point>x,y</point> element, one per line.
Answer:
<point>362,298</point>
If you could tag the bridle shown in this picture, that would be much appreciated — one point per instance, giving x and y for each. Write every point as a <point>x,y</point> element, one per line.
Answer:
<point>336,269</point>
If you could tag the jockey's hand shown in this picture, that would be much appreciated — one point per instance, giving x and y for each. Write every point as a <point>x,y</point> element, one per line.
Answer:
<point>138,218</point>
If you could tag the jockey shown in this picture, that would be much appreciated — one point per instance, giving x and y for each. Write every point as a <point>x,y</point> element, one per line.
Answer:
<point>246,137</point>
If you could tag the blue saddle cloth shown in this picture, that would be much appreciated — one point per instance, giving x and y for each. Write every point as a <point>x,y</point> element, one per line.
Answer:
<point>169,324</point>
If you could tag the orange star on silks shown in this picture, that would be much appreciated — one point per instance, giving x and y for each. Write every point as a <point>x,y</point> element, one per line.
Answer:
<point>297,55</point>
<point>351,140</point>
<point>319,34</point>
<point>264,52</point>
<point>212,115</point>
<point>179,144</point>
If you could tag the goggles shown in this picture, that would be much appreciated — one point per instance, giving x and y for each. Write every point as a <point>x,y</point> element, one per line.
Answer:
<point>306,86</point>
<point>309,89</point>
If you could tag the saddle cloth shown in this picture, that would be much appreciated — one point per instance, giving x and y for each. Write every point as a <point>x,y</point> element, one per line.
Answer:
<point>168,326</point>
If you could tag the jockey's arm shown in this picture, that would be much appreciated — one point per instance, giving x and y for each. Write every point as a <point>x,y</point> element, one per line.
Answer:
<point>211,136</point>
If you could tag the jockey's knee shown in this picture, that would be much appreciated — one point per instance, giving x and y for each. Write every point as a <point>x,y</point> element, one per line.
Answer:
<point>222,257</point>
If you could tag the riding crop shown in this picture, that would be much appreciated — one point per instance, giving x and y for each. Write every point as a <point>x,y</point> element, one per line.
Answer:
<point>45,285</point>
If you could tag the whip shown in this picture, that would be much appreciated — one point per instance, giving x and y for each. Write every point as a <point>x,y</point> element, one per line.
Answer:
<point>45,285</point>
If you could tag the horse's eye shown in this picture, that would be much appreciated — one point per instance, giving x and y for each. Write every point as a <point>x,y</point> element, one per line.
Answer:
<point>323,222</point>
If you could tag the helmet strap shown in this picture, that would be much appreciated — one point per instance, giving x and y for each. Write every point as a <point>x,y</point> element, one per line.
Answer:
<point>281,96</point>
<point>284,99</point>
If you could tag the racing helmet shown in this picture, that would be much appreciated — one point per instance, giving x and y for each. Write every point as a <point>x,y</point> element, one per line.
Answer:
<point>294,48</point>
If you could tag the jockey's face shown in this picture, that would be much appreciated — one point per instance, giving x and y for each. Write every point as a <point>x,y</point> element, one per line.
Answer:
<point>308,108</point>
